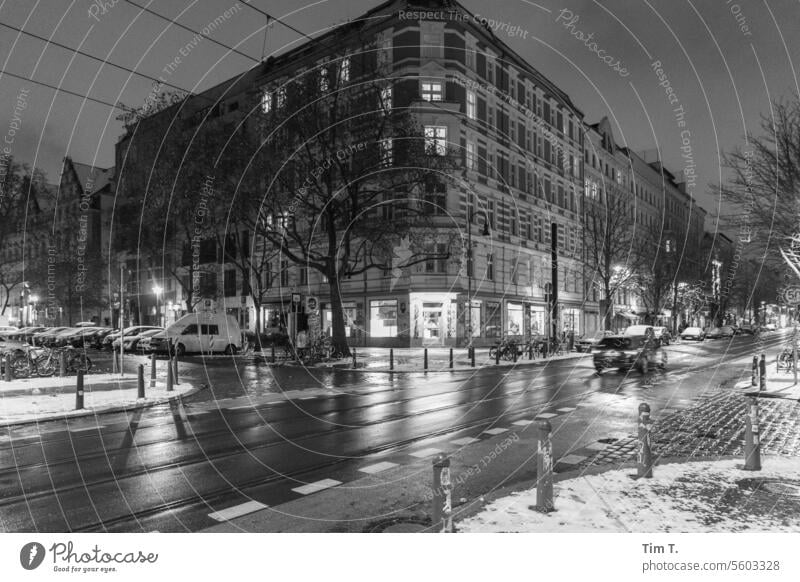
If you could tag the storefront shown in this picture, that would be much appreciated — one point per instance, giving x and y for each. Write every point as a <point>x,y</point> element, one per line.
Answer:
<point>515,318</point>
<point>434,319</point>
<point>353,321</point>
<point>571,321</point>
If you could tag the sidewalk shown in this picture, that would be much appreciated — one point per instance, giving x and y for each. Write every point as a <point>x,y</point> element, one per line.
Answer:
<point>25,400</point>
<point>413,360</point>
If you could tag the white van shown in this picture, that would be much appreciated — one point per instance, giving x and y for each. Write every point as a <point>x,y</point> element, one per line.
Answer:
<point>206,332</point>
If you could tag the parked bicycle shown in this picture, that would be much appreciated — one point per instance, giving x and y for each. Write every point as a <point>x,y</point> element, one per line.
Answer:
<point>507,349</point>
<point>37,361</point>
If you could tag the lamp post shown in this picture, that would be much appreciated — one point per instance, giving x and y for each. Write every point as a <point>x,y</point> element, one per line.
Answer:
<point>470,218</point>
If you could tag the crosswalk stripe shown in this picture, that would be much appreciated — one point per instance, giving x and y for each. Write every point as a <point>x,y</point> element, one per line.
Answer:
<point>316,486</point>
<point>425,453</point>
<point>377,467</point>
<point>237,511</point>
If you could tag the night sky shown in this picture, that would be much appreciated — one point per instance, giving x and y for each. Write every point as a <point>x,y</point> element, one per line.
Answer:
<point>723,70</point>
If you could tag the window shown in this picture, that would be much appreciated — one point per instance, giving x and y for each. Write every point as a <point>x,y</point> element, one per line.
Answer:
<point>303,275</point>
<point>209,329</point>
<point>470,58</point>
<point>437,264</point>
<point>492,328</point>
<point>387,152</point>
<point>266,101</point>
<point>435,140</point>
<point>190,329</point>
<point>490,213</point>
<point>490,267</point>
<point>435,201</point>
<point>284,273</point>
<point>383,318</point>
<point>472,105</point>
<point>385,52</point>
<point>432,91</point>
<point>280,97</point>
<point>344,70</point>
<point>432,39</point>
<point>230,283</point>
<point>472,162</point>
<point>324,81</point>
<point>386,99</point>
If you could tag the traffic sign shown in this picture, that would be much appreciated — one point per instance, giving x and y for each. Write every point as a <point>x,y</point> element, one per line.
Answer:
<point>791,295</point>
<point>312,304</point>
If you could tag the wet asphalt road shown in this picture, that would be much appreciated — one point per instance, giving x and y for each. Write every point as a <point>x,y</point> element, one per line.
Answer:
<point>166,468</point>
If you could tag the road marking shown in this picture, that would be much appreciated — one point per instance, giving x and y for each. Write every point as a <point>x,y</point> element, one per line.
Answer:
<point>572,459</point>
<point>308,398</point>
<point>464,441</point>
<point>317,486</point>
<point>425,453</point>
<point>522,422</point>
<point>495,431</point>
<point>237,511</point>
<point>566,409</point>
<point>377,467</point>
<point>546,415</point>
<point>596,447</point>
<point>87,429</point>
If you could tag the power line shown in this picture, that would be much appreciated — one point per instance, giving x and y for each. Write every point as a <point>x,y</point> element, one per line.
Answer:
<point>119,106</point>
<point>98,59</point>
<point>200,34</point>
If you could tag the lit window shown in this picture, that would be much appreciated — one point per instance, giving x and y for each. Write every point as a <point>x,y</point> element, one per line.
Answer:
<point>266,101</point>
<point>386,99</point>
<point>280,98</point>
<point>387,152</point>
<point>490,267</point>
<point>344,70</point>
<point>472,105</point>
<point>324,82</point>
<point>432,91</point>
<point>435,140</point>
<point>472,160</point>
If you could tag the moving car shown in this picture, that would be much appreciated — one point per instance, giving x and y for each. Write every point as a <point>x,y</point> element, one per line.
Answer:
<point>586,343</point>
<point>746,329</point>
<point>626,352</point>
<point>725,331</point>
<point>693,333</point>
<point>205,332</point>
<point>770,327</point>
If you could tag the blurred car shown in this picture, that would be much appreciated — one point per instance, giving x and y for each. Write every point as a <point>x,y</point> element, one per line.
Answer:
<point>86,324</point>
<point>128,331</point>
<point>63,338</point>
<point>626,352</point>
<point>7,328</point>
<point>133,342</point>
<point>663,335</point>
<point>725,331</point>
<point>586,343</point>
<point>746,329</point>
<point>693,333</point>
<point>645,330</point>
<point>770,327</point>
<point>45,336</point>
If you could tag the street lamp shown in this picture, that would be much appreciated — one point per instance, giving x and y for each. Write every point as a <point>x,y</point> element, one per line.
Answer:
<point>470,218</point>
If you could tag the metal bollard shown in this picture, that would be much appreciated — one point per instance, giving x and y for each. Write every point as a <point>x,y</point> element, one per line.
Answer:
<point>530,351</point>
<point>153,371</point>
<point>273,353</point>
<point>762,369</point>
<point>169,376</point>
<point>754,373</point>
<point>425,360</point>
<point>472,356</point>
<point>451,358</point>
<point>752,440</point>
<point>8,374</point>
<point>497,356</point>
<point>515,353</point>
<point>79,391</point>
<point>442,495</point>
<point>175,371</point>
<point>544,467</point>
<point>644,456</point>
<point>355,359</point>
<point>391,358</point>
<point>140,382</point>
<point>62,364</point>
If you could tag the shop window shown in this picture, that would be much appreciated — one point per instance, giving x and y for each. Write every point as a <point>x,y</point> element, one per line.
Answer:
<point>493,320</point>
<point>383,318</point>
<point>514,319</point>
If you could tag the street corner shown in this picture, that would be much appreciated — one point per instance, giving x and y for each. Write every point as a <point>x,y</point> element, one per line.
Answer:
<point>688,497</point>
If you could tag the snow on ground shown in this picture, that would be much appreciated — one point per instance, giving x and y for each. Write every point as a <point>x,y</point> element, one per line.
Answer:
<point>713,496</point>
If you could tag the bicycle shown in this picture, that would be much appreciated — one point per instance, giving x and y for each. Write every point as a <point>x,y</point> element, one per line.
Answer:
<point>507,348</point>
<point>44,361</point>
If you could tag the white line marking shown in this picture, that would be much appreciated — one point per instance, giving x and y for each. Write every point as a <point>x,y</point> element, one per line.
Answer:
<point>522,422</point>
<point>464,441</point>
<point>425,453</point>
<point>377,467</point>
<point>87,429</point>
<point>244,407</point>
<point>566,409</point>
<point>546,415</point>
<point>317,486</point>
<point>495,431</point>
<point>571,459</point>
<point>237,511</point>
<point>308,398</point>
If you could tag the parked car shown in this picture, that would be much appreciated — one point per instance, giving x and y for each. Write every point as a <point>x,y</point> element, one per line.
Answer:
<point>693,333</point>
<point>586,343</point>
<point>725,331</point>
<point>45,336</point>
<point>626,352</point>
<point>770,327</point>
<point>65,337</point>
<point>204,332</point>
<point>128,331</point>
<point>645,330</point>
<point>133,342</point>
<point>663,335</point>
<point>7,328</point>
<point>746,329</point>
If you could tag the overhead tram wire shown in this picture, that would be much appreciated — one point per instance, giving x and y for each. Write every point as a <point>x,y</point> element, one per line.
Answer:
<point>195,32</point>
<point>98,59</point>
<point>119,106</point>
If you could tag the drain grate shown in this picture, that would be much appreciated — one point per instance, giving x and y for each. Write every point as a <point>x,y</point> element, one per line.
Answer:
<point>398,525</point>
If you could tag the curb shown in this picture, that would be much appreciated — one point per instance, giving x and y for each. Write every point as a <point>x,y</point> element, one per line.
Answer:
<point>105,410</point>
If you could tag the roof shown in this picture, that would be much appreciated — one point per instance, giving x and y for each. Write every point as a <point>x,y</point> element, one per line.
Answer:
<point>97,178</point>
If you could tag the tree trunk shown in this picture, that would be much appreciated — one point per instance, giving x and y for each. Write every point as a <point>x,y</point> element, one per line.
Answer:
<point>337,315</point>
<point>609,306</point>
